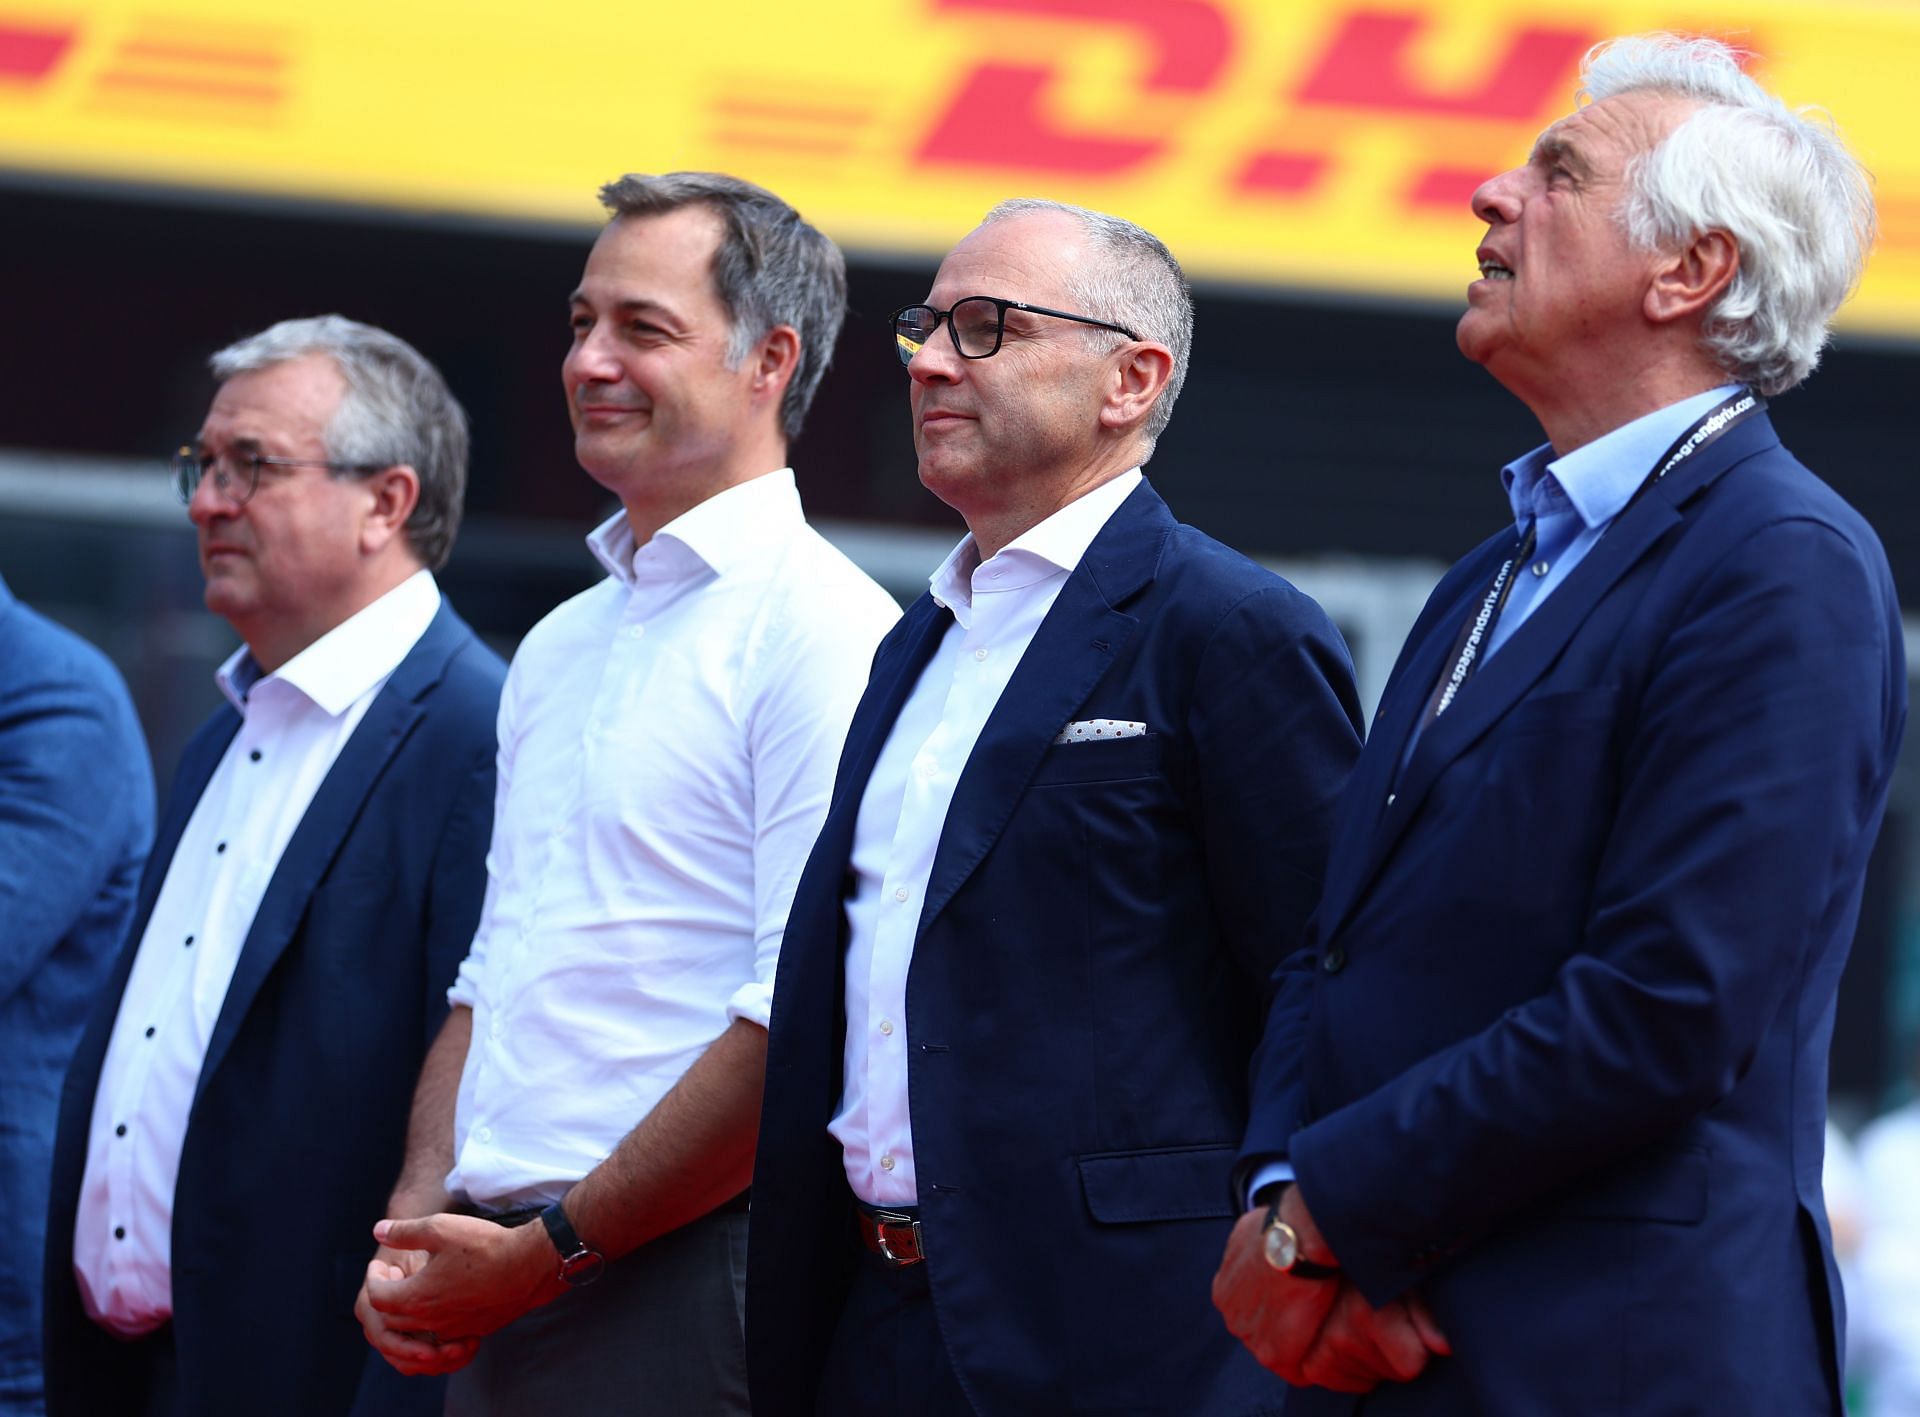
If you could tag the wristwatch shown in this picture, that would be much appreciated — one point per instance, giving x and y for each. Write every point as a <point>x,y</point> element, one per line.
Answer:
<point>1280,1244</point>
<point>578,1264</point>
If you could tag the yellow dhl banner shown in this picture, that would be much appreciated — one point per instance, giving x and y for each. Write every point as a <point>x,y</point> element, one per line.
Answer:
<point>1303,143</point>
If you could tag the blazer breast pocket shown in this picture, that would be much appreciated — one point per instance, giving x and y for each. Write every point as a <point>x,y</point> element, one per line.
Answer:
<point>1109,760</point>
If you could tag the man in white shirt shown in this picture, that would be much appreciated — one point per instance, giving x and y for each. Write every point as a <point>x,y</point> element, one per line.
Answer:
<point>229,1122</point>
<point>1082,813</point>
<point>667,742</point>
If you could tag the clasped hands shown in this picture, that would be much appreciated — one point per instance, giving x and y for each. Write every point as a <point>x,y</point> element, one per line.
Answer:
<point>438,1285</point>
<point>1318,1332</point>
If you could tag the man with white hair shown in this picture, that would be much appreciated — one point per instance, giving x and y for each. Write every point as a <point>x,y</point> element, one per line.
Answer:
<point>230,1121</point>
<point>1537,1123</point>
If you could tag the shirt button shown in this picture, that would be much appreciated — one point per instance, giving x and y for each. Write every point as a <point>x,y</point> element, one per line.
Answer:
<point>149,1032</point>
<point>220,850</point>
<point>483,1133</point>
<point>1540,568</point>
<point>189,942</point>
<point>254,755</point>
<point>886,1163</point>
<point>980,654</point>
<point>1390,798</point>
<point>120,1130</point>
<point>1334,960</point>
<point>900,894</point>
<point>886,1027</point>
<point>119,1232</point>
<point>634,632</point>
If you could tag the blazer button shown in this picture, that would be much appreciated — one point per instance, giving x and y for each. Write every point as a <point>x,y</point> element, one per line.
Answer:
<point>1334,960</point>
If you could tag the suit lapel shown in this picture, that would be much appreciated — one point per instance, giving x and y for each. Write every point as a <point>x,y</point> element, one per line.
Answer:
<point>1074,646</point>
<point>389,719</point>
<point>1501,682</point>
<point>1401,706</point>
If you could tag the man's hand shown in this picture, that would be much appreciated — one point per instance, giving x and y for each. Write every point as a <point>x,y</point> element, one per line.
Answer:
<point>413,1353</point>
<point>1317,1332</point>
<point>459,1278</point>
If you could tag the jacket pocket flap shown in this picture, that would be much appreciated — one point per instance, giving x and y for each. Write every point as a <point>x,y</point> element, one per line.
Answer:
<point>1166,1183</point>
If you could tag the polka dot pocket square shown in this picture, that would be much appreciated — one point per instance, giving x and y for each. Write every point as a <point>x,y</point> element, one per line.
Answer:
<point>1098,730</point>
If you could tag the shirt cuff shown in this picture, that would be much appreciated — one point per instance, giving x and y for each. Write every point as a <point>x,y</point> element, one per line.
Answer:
<point>752,1002</point>
<point>464,992</point>
<point>1272,1172</point>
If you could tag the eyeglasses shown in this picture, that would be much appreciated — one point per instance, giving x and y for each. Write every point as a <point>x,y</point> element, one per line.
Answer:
<point>236,476</point>
<point>975,324</point>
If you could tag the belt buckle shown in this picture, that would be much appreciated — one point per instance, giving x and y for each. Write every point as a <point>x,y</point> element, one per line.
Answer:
<point>881,1220</point>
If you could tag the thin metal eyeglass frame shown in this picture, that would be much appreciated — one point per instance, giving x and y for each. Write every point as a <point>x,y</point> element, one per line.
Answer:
<point>901,339</point>
<point>185,473</point>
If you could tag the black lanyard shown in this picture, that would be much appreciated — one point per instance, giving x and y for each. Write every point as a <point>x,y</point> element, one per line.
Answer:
<point>1466,646</point>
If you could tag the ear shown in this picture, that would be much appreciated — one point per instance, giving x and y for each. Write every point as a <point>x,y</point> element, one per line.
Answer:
<point>1690,280</point>
<point>1139,379</point>
<point>392,494</point>
<point>775,361</point>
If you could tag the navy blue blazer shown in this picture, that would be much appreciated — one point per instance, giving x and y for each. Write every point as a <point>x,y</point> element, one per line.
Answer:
<point>1086,988</point>
<point>76,815</point>
<point>1558,1053</point>
<point>300,1116</point>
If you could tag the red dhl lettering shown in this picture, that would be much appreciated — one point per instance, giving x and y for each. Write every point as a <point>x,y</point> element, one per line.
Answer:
<point>30,53</point>
<point>1000,116</point>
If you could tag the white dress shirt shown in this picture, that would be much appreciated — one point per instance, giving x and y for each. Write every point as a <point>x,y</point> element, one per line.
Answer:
<point>997,607</point>
<point>668,741</point>
<point>294,722</point>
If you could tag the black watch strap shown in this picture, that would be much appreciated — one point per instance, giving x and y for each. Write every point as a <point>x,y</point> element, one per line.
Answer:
<point>578,1264</point>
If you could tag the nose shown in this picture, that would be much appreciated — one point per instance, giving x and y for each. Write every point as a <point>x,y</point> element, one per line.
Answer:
<point>936,361</point>
<point>208,502</point>
<point>1497,199</point>
<point>590,360</point>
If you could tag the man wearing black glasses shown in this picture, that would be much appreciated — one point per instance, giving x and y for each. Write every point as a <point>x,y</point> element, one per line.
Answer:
<point>238,1103</point>
<point>1082,811</point>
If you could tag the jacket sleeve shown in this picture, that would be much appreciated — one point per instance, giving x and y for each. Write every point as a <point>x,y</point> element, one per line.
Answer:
<point>75,790</point>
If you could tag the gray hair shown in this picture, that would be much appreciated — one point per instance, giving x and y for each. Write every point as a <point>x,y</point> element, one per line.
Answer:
<point>1780,182</point>
<point>397,409</point>
<point>770,269</point>
<point>1136,282</point>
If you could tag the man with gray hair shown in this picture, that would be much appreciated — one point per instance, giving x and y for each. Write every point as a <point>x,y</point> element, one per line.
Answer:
<point>229,1122</point>
<point>1537,1123</point>
<point>568,1232</point>
<point>1081,816</point>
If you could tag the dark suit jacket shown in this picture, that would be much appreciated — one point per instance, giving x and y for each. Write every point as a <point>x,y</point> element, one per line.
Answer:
<point>76,815</point>
<point>300,1117</point>
<point>1558,1056</point>
<point>1086,988</point>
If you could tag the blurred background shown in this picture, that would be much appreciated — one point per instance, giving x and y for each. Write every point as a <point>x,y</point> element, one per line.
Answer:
<point>178,173</point>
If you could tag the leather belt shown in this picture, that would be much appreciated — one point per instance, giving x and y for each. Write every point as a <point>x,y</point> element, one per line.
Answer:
<point>892,1235</point>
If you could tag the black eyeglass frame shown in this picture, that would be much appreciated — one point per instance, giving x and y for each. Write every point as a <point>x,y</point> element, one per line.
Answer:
<point>1001,307</point>
<point>185,471</point>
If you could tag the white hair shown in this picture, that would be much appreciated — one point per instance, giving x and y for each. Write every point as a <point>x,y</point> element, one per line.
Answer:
<point>1136,282</point>
<point>1797,204</point>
